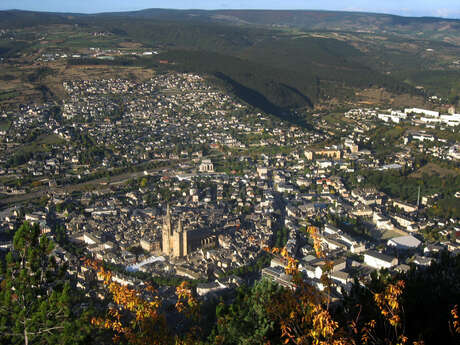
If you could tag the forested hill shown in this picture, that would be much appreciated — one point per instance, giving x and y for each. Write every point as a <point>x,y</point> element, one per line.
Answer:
<point>425,27</point>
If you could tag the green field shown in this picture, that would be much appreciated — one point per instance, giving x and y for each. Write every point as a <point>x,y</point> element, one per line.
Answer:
<point>41,144</point>
<point>79,40</point>
<point>7,180</point>
<point>4,125</point>
<point>387,234</point>
<point>7,95</point>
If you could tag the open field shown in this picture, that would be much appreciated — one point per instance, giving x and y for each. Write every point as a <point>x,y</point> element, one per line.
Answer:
<point>67,72</point>
<point>67,36</point>
<point>130,45</point>
<point>7,179</point>
<point>387,234</point>
<point>4,125</point>
<point>434,169</point>
<point>40,144</point>
<point>17,89</point>
<point>374,96</point>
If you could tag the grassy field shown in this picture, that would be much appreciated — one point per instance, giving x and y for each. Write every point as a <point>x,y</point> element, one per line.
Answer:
<point>434,169</point>
<point>41,144</point>
<point>4,125</point>
<point>374,96</point>
<point>16,89</point>
<point>387,234</point>
<point>50,140</point>
<point>7,95</point>
<point>66,36</point>
<point>337,119</point>
<point>7,179</point>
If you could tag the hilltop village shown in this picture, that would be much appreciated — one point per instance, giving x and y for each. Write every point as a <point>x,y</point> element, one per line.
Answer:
<point>173,177</point>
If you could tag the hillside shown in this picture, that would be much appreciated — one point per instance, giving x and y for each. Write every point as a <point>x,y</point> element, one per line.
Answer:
<point>444,30</point>
<point>275,60</point>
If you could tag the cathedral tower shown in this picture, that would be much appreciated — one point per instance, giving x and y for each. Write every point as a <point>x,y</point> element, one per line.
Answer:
<point>178,240</point>
<point>167,232</point>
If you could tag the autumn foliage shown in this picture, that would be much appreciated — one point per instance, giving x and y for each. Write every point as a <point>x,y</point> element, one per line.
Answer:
<point>305,317</point>
<point>454,324</point>
<point>300,316</point>
<point>136,316</point>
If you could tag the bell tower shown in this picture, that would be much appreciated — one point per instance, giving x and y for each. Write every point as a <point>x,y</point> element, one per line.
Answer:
<point>178,240</point>
<point>167,232</point>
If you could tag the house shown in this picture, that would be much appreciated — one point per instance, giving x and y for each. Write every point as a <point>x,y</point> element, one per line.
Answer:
<point>422,260</point>
<point>341,277</point>
<point>405,206</point>
<point>331,230</point>
<point>378,260</point>
<point>277,275</point>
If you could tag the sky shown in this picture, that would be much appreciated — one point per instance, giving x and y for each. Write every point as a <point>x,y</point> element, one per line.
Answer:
<point>433,8</point>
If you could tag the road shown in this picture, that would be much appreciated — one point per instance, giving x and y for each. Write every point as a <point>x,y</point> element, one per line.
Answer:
<point>92,184</point>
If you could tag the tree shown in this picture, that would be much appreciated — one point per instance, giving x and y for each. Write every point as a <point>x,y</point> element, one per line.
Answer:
<point>381,314</point>
<point>246,321</point>
<point>143,182</point>
<point>134,316</point>
<point>303,313</point>
<point>35,300</point>
<point>428,291</point>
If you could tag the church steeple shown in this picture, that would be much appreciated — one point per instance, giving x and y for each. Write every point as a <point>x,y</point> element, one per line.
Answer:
<point>179,225</point>
<point>167,232</point>
<point>167,220</point>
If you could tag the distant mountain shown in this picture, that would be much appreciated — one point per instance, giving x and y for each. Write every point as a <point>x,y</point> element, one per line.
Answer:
<point>21,19</point>
<point>420,27</point>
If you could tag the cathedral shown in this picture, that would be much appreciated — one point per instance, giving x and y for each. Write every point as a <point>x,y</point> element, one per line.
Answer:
<point>178,242</point>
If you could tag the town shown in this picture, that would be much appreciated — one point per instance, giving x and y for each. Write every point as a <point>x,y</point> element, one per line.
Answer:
<point>175,178</point>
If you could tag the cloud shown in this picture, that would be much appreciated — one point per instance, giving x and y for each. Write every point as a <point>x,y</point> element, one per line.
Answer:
<point>447,13</point>
<point>442,12</point>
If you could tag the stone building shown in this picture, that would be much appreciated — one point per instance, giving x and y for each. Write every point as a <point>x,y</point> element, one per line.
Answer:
<point>178,242</point>
<point>329,153</point>
<point>206,166</point>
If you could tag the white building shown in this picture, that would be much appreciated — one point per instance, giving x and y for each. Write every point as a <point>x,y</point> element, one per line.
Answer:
<point>206,166</point>
<point>388,118</point>
<point>404,242</point>
<point>378,260</point>
<point>422,136</point>
<point>430,120</point>
<point>262,172</point>
<point>351,145</point>
<point>422,112</point>
<point>451,120</point>
<point>399,114</point>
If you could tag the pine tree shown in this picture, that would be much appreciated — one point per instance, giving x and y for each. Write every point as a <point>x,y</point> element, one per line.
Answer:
<point>35,299</point>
